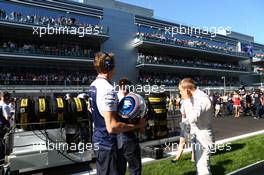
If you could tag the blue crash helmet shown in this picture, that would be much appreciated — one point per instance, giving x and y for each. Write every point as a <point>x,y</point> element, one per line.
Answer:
<point>132,106</point>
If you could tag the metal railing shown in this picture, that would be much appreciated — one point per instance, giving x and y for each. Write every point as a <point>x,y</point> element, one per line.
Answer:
<point>103,30</point>
<point>49,53</point>
<point>182,44</point>
<point>192,65</point>
<point>43,82</point>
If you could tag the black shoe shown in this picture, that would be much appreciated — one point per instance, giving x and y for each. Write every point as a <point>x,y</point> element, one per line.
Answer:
<point>173,161</point>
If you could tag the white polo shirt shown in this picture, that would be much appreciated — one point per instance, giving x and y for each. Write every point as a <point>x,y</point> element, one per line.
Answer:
<point>184,109</point>
<point>6,110</point>
<point>106,96</point>
<point>200,114</point>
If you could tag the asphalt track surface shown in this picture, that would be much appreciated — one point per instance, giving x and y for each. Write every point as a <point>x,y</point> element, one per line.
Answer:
<point>224,127</point>
<point>228,126</point>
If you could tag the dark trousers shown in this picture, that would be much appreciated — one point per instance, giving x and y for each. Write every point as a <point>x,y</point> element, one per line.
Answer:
<point>130,153</point>
<point>258,109</point>
<point>2,144</point>
<point>229,107</point>
<point>2,149</point>
<point>107,162</point>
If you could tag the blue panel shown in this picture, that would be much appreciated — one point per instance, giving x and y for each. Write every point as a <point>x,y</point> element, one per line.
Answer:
<point>122,32</point>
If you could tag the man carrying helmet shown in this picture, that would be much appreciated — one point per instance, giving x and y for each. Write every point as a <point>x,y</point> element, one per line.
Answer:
<point>103,102</point>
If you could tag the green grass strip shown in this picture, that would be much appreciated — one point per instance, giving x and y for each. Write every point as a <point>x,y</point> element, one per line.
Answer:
<point>242,153</point>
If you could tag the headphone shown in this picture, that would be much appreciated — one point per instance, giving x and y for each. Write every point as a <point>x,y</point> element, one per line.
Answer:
<point>109,63</point>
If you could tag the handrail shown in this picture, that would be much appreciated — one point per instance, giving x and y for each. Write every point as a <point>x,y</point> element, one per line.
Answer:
<point>175,43</point>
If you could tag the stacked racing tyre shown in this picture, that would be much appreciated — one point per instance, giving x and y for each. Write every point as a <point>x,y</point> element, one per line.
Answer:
<point>77,110</point>
<point>43,112</point>
<point>159,123</point>
<point>24,113</point>
<point>77,123</point>
<point>59,110</point>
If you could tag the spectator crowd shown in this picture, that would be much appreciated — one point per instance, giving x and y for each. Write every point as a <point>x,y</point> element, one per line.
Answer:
<point>47,49</point>
<point>173,80</point>
<point>40,78</point>
<point>60,21</point>
<point>248,103</point>
<point>259,55</point>
<point>234,103</point>
<point>155,59</point>
<point>201,44</point>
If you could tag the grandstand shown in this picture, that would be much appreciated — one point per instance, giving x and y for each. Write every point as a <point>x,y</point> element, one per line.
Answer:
<point>206,58</point>
<point>145,51</point>
<point>53,62</point>
<point>47,49</point>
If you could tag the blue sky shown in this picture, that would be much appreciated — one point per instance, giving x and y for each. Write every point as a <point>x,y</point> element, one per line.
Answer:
<point>244,16</point>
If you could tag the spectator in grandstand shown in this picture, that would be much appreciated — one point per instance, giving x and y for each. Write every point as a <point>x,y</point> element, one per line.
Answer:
<point>190,43</point>
<point>154,59</point>
<point>37,78</point>
<point>172,80</point>
<point>199,114</point>
<point>60,21</point>
<point>236,103</point>
<point>48,49</point>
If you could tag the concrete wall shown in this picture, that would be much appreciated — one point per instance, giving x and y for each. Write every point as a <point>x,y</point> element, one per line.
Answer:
<point>241,36</point>
<point>121,34</point>
<point>116,5</point>
<point>247,79</point>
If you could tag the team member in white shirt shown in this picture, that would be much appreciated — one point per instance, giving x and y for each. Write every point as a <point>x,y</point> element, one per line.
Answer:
<point>199,114</point>
<point>5,116</point>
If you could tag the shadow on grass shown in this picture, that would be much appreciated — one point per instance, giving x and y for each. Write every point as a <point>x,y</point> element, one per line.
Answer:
<point>217,169</point>
<point>190,173</point>
<point>234,147</point>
